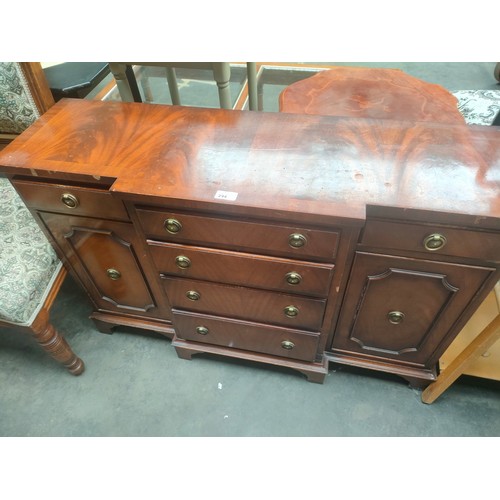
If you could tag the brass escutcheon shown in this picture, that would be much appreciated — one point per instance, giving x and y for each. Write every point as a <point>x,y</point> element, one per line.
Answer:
<point>395,317</point>
<point>297,240</point>
<point>291,311</point>
<point>70,200</point>
<point>201,330</point>
<point>173,226</point>
<point>193,295</point>
<point>113,274</point>
<point>182,261</point>
<point>434,242</point>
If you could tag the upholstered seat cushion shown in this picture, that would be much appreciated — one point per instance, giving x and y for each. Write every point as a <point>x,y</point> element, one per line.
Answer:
<point>17,106</point>
<point>28,263</point>
<point>478,107</point>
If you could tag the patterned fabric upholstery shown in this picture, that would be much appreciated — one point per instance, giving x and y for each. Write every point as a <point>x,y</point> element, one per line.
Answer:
<point>17,107</point>
<point>28,263</point>
<point>479,107</point>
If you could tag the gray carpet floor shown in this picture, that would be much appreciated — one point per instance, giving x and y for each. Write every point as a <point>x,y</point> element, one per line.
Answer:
<point>135,385</point>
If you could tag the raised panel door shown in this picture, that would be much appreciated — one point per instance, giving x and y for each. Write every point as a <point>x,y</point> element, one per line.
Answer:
<point>402,308</point>
<point>103,255</point>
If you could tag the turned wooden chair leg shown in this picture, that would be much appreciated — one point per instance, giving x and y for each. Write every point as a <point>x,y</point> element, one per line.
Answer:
<point>56,346</point>
<point>222,75</point>
<point>172,86</point>
<point>478,346</point>
<point>253,99</point>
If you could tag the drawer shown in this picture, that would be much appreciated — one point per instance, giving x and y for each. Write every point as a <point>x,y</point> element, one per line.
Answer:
<point>412,237</point>
<point>291,311</point>
<point>237,268</point>
<point>234,334</point>
<point>296,242</point>
<point>71,200</point>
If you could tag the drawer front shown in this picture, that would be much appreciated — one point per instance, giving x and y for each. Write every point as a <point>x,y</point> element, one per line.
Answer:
<point>419,238</point>
<point>71,200</point>
<point>246,336</point>
<point>235,268</point>
<point>296,242</point>
<point>292,311</point>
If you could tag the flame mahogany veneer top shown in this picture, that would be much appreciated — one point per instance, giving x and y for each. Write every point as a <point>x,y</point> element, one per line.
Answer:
<point>370,93</point>
<point>331,167</point>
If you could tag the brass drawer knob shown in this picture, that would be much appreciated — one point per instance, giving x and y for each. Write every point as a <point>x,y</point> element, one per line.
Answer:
<point>293,278</point>
<point>172,226</point>
<point>287,344</point>
<point>291,311</point>
<point>396,317</point>
<point>113,274</point>
<point>297,240</point>
<point>434,242</point>
<point>70,200</point>
<point>193,295</point>
<point>201,330</point>
<point>182,262</point>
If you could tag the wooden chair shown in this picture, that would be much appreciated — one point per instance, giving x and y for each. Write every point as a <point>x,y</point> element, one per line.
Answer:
<point>30,272</point>
<point>24,96</point>
<point>127,87</point>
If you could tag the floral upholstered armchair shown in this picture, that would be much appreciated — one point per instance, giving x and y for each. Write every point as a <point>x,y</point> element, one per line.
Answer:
<point>30,271</point>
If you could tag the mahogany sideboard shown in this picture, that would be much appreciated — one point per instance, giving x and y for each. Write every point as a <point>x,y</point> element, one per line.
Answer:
<point>295,240</point>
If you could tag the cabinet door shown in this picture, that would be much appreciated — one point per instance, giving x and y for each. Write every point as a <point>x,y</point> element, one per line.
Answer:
<point>102,254</point>
<point>402,308</point>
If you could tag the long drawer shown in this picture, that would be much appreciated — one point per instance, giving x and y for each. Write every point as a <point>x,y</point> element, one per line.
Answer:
<point>221,266</point>
<point>436,240</point>
<point>233,334</point>
<point>71,200</point>
<point>287,240</point>
<point>237,302</point>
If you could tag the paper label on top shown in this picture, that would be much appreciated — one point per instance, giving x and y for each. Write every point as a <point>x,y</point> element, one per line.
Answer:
<point>226,195</point>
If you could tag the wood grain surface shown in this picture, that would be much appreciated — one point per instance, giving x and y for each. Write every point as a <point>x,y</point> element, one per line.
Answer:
<point>380,93</point>
<point>276,163</point>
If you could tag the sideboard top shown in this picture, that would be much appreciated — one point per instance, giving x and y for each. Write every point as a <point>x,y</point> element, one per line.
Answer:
<point>329,166</point>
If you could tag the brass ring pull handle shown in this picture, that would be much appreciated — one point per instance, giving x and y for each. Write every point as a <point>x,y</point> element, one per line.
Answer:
<point>396,317</point>
<point>293,278</point>
<point>193,295</point>
<point>70,200</point>
<point>172,226</point>
<point>287,344</point>
<point>113,274</point>
<point>182,262</point>
<point>291,311</point>
<point>297,240</point>
<point>434,242</point>
<point>201,330</point>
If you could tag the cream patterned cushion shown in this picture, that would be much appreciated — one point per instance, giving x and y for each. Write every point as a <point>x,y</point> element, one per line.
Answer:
<point>479,107</point>
<point>17,107</point>
<point>28,263</point>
